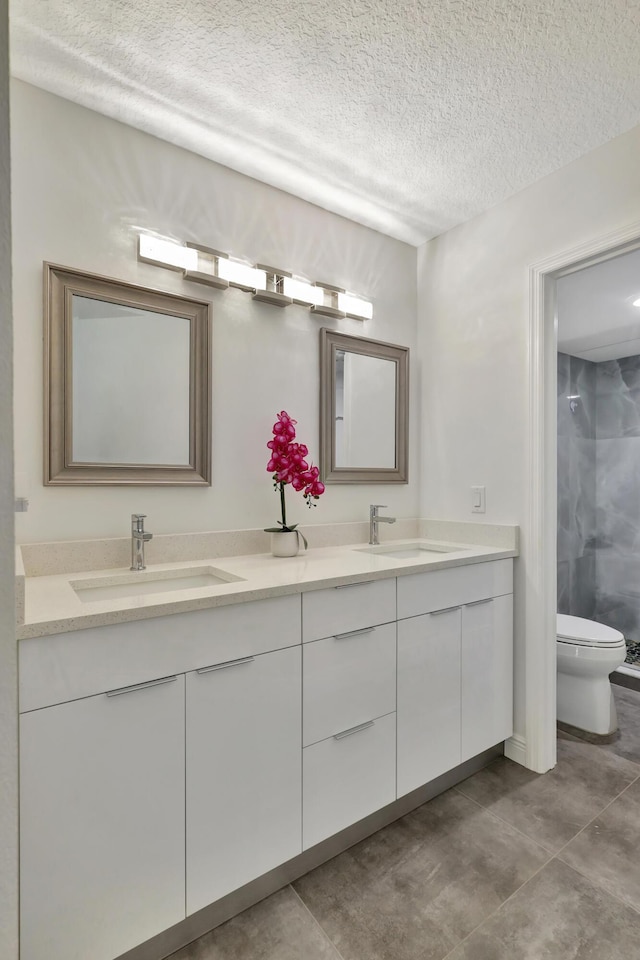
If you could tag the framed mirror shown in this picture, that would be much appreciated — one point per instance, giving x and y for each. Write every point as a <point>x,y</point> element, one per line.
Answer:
<point>364,410</point>
<point>127,383</point>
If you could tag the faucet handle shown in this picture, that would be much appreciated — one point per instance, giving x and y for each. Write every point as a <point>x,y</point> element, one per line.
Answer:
<point>137,521</point>
<point>377,506</point>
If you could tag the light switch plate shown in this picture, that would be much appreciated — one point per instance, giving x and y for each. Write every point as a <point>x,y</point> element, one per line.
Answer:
<point>478,500</point>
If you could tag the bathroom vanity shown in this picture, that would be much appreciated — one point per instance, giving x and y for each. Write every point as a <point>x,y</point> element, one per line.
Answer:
<point>167,761</point>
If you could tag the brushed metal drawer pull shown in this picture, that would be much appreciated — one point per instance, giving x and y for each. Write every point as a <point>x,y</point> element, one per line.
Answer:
<point>347,733</point>
<point>140,686</point>
<point>477,603</point>
<point>360,583</point>
<point>227,663</point>
<point>437,613</point>
<point>353,633</point>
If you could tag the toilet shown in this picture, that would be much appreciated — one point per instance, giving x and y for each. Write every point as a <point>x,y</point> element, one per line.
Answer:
<point>587,653</point>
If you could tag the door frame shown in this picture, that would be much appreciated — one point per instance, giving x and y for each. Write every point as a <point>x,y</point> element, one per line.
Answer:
<point>539,548</point>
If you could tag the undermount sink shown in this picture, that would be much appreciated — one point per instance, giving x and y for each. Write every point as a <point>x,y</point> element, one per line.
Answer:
<point>139,583</point>
<point>411,551</point>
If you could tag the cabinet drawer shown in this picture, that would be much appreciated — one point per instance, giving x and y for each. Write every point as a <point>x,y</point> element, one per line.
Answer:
<point>347,777</point>
<point>423,592</point>
<point>68,666</point>
<point>347,680</point>
<point>349,607</point>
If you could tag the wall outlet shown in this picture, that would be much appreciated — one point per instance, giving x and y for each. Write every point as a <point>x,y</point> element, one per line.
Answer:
<point>478,500</point>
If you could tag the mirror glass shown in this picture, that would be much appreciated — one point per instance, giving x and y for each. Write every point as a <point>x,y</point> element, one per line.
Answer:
<point>127,383</point>
<point>130,384</point>
<point>364,390</point>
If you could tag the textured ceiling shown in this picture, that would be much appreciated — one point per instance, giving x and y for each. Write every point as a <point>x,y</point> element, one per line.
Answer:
<point>407,115</point>
<point>596,316</point>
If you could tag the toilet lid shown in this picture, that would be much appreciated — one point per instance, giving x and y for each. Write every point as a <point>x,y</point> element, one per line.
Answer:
<point>587,632</point>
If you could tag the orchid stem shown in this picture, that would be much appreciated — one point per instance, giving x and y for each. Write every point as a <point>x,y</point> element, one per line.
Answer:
<point>282,506</point>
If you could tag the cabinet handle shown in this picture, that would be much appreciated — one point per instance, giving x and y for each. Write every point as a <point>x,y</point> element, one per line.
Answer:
<point>140,686</point>
<point>353,633</point>
<point>360,583</point>
<point>437,613</point>
<point>477,603</point>
<point>347,733</point>
<point>227,663</point>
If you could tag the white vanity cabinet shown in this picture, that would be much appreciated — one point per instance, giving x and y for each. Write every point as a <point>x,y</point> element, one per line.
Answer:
<point>244,771</point>
<point>167,762</point>
<point>102,822</point>
<point>455,667</point>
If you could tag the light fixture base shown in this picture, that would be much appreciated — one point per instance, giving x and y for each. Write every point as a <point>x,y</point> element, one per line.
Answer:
<point>272,297</point>
<point>208,278</point>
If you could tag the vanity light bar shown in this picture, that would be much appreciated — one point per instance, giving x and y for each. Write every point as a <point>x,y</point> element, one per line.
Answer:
<point>267,284</point>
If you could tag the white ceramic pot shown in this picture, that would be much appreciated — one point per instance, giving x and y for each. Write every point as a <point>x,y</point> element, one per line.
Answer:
<point>284,544</point>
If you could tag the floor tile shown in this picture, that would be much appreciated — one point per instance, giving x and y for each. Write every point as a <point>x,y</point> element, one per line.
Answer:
<point>607,851</point>
<point>628,708</point>
<point>558,915</point>
<point>278,928</point>
<point>552,808</point>
<point>416,888</point>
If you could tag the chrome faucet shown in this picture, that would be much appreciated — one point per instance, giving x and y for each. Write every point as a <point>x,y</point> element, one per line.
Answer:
<point>374,520</point>
<point>138,540</point>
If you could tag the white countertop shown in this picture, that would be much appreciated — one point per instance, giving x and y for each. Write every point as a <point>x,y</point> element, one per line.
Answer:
<point>52,605</point>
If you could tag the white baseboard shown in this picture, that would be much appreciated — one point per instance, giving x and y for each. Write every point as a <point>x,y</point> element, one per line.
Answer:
<point>515,748</point>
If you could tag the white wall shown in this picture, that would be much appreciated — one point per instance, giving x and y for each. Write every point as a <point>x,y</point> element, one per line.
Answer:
<point>473,330</point>
<point>8,648</point>
<point>83,186</point>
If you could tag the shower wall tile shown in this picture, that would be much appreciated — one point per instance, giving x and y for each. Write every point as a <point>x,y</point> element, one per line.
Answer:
<point>583,586</point>
<point>577,409</point>
<point>618,593</point>
<point>618,398</point>
<point>599,491</point>
<point>564,586</point>
<point>618,496</point>
<point>583,376</point>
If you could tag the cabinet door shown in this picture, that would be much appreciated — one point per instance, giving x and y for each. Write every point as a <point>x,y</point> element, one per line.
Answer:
<point>102,822</point>
<point>487,674</point>
<point>244,771</point>
<point>428,697</point>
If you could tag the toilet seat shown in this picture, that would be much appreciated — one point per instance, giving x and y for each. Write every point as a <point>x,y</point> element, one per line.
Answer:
<point>587,633</point>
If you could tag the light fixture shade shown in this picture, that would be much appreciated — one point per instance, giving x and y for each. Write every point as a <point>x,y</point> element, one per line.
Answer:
<point>355,306</point>
<point>242,275</point>
<point>166,253</point>
<point>302,292</point>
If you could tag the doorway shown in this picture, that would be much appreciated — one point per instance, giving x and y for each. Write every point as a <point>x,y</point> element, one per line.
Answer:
<point>540,550</point>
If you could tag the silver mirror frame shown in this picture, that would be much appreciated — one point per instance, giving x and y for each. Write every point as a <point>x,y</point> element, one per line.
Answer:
<point>330,342</point>
<point>60,284</point>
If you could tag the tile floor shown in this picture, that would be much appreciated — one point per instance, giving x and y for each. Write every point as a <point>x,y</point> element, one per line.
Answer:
<point>509,865</point>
